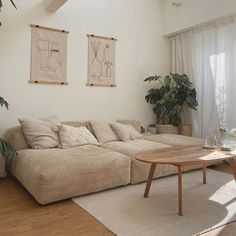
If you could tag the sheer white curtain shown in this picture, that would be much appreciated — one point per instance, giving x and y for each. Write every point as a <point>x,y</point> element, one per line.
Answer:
<point>208,56</point>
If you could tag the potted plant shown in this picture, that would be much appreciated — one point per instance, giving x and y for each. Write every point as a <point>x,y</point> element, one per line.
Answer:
<point>6,151</point>
<point>168,99</point>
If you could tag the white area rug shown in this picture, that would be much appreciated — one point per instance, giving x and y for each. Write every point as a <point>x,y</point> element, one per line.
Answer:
<point>125,212</point>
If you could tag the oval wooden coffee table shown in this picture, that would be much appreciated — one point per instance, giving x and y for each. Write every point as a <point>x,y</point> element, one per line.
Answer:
<point>180,157</point>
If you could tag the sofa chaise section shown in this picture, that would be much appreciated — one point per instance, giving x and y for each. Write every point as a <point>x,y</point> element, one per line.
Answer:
<point>55,174</point>
<point>140,170</point>
<point>177,140</point>
<point>174,139</point>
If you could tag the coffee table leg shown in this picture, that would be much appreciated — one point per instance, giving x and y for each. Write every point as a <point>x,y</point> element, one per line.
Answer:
<point>204,173</point>
<point>232,163</point>
<point>180,191</point>
<point>149,181</point>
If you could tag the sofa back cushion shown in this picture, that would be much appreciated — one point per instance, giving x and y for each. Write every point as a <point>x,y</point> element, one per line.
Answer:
<point>103,131</point>
<point>89,127</point>
<point>75,136</point>
<point>125,132</point>
<point>40,133</point>
<point>16,138</point>
<point>135,123</point>
<point>73,123</point>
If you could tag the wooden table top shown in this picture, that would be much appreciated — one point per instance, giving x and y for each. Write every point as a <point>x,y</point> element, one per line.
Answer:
<point>183,155</point>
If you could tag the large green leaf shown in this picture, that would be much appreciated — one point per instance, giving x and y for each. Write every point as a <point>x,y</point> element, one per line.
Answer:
<point>3,102</point>
<point>181,80</point>
<point>155,95</point>
<point>175,119</point>
<point>13,4</point>
<point>167,80</point>
<point>181,95</point>
<point>159,110</point>
<point>6,150</point>
<point>192,99</point>
<point>169,105</point>
<point>152,78</point>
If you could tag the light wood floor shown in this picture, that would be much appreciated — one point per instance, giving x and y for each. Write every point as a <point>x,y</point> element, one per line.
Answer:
<point>21,215</point>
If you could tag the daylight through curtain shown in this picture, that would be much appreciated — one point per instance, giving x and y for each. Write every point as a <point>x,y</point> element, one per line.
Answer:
<point>208,56</point>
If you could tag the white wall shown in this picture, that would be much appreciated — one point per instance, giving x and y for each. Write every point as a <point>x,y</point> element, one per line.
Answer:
<point>141,51</point>
<point>193,12</point>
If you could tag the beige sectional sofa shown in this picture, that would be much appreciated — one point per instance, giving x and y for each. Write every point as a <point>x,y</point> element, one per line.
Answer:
<point>55,174</point>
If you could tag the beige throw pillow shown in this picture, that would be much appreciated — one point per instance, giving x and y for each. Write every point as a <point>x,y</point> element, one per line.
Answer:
<point>103,131</point>
<point>73,137</point>
<point>39,132</point>
<point>125,132</point>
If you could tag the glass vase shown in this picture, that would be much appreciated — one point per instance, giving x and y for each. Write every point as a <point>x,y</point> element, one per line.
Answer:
<point>210,139</point>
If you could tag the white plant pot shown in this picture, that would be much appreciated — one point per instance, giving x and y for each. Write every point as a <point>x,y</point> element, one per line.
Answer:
<point>152,130</point>
<point>2,168</point>
<point>167,129</point>
<point>186,130</point>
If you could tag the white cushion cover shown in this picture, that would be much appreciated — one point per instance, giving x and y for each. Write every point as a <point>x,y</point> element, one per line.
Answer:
<point>73,136</point>
<point>125,132</point>
<point>103,131</point>
<point>39,133</point>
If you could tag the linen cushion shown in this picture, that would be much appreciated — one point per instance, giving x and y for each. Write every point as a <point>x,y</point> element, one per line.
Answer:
<point>125,132</point>
<point>135,123</point>
<point>73,137</point>
<point>103,131</point>
<point>39,132</point>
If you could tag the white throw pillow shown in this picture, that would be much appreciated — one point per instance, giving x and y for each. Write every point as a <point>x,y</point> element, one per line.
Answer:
<point>125,132</point>
<point>73,136</point>
<point>103,131</point>
<point>39,133</point>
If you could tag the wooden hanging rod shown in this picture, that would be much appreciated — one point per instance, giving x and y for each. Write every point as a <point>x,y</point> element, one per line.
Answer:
<point>101,85</point>
<point>101,37</point>
<point>48,82</point>
<point>51,29</point>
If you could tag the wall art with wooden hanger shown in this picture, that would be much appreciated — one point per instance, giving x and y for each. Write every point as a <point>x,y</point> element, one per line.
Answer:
<point>101,61</point>
<point>48,55</point>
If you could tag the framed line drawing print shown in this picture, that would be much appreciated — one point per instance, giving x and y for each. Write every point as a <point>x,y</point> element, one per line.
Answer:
<point>48,55</point>
<point>101,61</point>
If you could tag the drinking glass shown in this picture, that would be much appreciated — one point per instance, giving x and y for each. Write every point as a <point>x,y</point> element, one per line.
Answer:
<point>210,138</point>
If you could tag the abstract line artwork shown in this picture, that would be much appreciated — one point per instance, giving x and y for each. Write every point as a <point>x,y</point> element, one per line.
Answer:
<point>48,55</point>
<point>101,61</point>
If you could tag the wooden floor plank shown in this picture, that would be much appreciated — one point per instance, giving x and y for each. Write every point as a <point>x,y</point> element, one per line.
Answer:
<point>21,215</point>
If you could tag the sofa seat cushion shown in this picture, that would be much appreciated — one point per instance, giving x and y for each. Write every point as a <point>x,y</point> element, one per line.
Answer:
<point>56,174</point>
<point>174,139</point>
<point>133,147</point>
<point>140,170</point>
